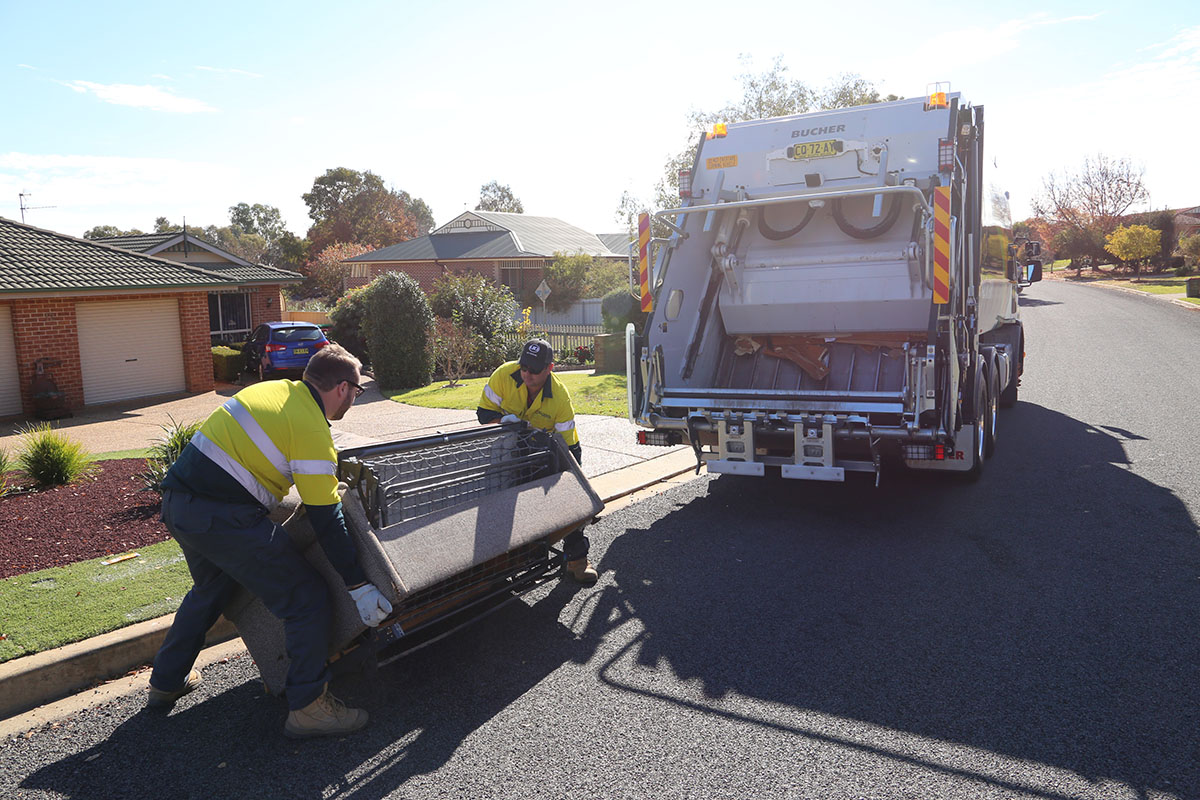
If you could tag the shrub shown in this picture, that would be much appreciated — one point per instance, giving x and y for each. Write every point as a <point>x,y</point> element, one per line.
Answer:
<point>483,307</point>
<point>619,308</point>
<point>227,363</point>
<point>5,466</point>
<point>396,324</point>
<point>49,458</point>
<point>346,320</point>
<point>1184,271</point>
<point>165,451</point>
<point>453,345</point>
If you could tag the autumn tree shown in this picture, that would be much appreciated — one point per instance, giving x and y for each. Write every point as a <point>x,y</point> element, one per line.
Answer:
<point>494,197</point>
<point>1133,243</point>
<point>1189,248</point>
<point>1089,203</point>
<point>453,344</point>
<point>325,274</point>
<point>351,206</point>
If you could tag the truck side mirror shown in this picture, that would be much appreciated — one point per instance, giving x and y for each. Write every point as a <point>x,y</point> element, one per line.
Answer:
<point>1035,270</point>
<point>1033,249</point>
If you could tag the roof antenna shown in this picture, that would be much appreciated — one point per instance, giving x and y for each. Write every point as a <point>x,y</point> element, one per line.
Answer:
<point>21,198</point>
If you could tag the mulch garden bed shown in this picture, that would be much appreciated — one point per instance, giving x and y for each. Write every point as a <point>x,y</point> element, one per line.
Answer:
<point>106,513</point>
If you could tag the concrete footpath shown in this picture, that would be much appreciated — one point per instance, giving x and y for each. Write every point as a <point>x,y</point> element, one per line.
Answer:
<point>619,469</point>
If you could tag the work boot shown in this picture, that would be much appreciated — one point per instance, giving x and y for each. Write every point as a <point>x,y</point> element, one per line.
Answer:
<point>163,699</point>
<point>582,571</point>
<point>325,716</point>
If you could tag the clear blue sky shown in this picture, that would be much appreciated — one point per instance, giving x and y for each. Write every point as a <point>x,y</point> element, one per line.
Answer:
<point>118,113</point>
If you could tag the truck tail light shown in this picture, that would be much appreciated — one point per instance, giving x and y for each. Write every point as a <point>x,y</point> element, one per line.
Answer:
<point>924,452</point>
<point>660,438</point>
<point>685,183</point>
<point>945,155</point>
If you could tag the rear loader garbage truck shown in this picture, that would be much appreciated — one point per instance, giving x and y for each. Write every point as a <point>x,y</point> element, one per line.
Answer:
<point>837,291</point>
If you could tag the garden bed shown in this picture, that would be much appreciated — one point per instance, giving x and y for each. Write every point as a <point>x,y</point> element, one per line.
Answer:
<point>105,513</point>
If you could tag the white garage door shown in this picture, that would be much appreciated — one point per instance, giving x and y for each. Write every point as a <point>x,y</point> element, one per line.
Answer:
<point>130,348</point>
<point>10,388</point>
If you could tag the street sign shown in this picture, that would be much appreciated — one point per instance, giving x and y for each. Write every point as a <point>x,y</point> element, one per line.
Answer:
<point>542,291</point>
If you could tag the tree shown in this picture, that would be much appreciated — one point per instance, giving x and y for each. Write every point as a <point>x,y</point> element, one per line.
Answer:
<point>351,206</point>
<point>1092,201</point>
<point>1133,243</point>
<point>494,197</point>
<point>325,274</point>
<point>397,324</point>
<point>346,322</point>
<point>108,232</point>
<point>453,346</point>
<point>264,221</point>
<point>567,278</point>
<point>1189,248</point>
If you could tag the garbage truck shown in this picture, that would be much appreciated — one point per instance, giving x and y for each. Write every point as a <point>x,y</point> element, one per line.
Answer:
<point>837,291</point>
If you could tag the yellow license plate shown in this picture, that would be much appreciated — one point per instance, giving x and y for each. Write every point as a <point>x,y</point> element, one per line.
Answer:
<point>300,351</point>
<point>821,149</point>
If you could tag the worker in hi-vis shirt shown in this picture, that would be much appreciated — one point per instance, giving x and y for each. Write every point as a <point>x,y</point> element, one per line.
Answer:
<point>216,497</point>
<point>526,389</point>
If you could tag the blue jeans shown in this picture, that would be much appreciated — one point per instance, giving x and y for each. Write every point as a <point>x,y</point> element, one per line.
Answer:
<point>229,544</point>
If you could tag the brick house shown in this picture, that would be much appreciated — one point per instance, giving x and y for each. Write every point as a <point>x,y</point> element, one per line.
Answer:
<point>252,296</point>
<point>122,325</point>
<point>511,249</point>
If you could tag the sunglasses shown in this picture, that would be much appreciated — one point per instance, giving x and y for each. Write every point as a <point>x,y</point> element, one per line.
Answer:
<point>358,390</point>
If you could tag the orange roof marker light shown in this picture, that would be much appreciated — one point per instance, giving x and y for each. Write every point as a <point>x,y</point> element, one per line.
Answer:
<point>937,92</point>
<point>718,131</point>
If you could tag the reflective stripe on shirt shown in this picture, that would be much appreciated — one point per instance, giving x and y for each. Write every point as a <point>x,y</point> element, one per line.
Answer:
<point>236,470</point>
<point>490,393</point>
<point>259,437</point>
<point>564,426</point>
<point>312,467</point>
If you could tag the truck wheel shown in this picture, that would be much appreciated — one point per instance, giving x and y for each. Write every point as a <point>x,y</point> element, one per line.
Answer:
<point>1008,398</point>
<point>989,425</point>
<point>978,437</point>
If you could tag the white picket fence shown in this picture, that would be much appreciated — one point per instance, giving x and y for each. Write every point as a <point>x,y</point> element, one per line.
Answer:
<point>582,312</point>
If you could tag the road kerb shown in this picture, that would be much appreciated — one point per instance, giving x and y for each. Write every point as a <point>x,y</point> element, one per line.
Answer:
<point>31,682</point>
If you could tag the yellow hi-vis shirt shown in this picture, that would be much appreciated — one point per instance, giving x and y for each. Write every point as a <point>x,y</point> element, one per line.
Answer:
<point>270,436</point>
<point>551,410</point>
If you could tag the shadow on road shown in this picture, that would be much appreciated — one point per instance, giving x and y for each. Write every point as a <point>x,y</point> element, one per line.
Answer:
<point>422,709</point>
<point>1046,613</point>
<point>1025,301</point>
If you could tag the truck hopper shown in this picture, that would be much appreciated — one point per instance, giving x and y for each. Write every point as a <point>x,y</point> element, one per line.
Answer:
<point>449,527</point>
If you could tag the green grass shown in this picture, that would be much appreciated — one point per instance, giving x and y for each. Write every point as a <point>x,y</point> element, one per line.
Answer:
<point>53,607</point>
<point>1159,284</point>
<point>590,394</point>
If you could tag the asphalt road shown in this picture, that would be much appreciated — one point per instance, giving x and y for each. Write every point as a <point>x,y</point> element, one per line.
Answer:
<point>1032,635</point>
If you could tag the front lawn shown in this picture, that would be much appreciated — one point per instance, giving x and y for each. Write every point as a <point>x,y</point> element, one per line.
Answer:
<point>1158,284</point>
<point>590,394</point>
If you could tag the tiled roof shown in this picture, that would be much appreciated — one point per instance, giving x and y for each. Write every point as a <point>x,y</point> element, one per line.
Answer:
<point>255,273</point>
<point>138,242</point>
<point>491,234</point>
<point>237,269</point>
<point>617,242</point>
<point>37,260</point>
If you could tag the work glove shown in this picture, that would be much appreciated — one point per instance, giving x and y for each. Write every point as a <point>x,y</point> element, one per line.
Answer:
<point>373,607</point>
<point>509,418</point>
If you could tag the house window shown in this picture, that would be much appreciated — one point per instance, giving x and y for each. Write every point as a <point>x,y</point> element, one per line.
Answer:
<point>228,316</point>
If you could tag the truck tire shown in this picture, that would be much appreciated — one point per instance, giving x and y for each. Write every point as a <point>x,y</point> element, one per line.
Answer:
<point>980,401</point>
<point>1008,398</point>
<point>989,412</point>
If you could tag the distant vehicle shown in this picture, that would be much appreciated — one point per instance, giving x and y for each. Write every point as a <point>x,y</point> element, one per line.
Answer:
<point>278,347</point>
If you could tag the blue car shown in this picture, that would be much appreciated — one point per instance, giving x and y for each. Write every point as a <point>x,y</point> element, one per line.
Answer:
<point>279,347</point>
